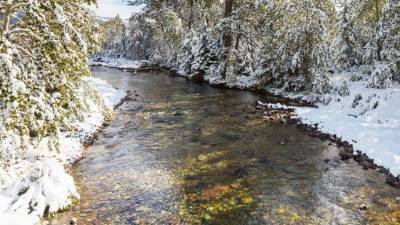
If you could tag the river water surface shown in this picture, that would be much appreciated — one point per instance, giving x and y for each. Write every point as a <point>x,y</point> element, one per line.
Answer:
<point>185,153</point>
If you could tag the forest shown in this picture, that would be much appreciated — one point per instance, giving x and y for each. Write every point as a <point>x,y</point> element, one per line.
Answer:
<point>274,112</point>
<point>294,46</point>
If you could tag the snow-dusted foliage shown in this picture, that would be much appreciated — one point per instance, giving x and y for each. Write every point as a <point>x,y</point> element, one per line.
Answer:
<point>43,55</point>
<point>193,55</point>
<point>45,99</point>
<point>165,43</point>
<point>391,36</point>
<point>365,16</point>
<point>344,45</point>
<point>112,38</point>
<point>282,45</point>
<point>300,48</point>
<point>37,183</point>
<point>239,57</point>
<point>138,38</point>
<point>381,77</point>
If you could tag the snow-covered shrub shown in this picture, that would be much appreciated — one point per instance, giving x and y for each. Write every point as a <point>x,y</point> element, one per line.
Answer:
<point>241,26</point>
<point>364,16</point>
<point>343,89</point>
<point>357,100</point>
<point>366,69</point>
<point>138,38</point>
<point>43,62</point>
<point>381,77</point>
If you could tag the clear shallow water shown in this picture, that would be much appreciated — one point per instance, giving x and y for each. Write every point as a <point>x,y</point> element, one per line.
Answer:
<point>185,153</point>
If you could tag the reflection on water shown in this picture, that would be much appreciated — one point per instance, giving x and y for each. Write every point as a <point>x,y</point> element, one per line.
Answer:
<point>185,153</point>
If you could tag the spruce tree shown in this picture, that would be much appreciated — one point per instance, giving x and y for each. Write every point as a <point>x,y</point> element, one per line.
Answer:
<point>344,46</point>
<point>391,36</point>
<point>43,56</point>
<point>300,48</point>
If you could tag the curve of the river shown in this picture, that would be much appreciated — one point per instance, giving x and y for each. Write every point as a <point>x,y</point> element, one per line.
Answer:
<point>186,153</point>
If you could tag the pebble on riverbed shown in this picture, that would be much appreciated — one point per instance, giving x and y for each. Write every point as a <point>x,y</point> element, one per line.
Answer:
<point>73,221</point>
<point>363,207</point>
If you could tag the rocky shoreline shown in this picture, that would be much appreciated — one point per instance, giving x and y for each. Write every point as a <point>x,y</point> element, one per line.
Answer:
<point>347,152</point>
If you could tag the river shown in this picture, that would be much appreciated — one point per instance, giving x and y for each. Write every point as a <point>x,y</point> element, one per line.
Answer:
<point>181,152</point>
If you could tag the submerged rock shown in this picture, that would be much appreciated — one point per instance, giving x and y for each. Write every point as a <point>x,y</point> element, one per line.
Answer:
<point>216,192</point>
<point>73,221</point>
<point>247,200</point>
<point>346,154</point>
<point>363,207</point>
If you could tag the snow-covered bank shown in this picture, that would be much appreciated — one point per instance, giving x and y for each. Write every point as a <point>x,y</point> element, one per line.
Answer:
<point>238,82</point>
<point>120,63</point>
<point>368,118</point>
<point>36,181</point>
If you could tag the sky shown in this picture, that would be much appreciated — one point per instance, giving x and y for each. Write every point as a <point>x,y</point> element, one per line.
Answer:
<point>111,8</point>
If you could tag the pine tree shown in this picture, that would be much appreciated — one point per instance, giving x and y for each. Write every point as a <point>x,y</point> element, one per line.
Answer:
<point>43,55</point>
<point>344,46</point>
<point>366,16</point>
<point>391,36</point>
<point>285,42</point>
<point>300,48</point>
<point>113,38</point>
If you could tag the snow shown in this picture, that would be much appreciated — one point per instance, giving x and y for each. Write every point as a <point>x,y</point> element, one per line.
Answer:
<point>240,82</point>
<point>38,180</point>
<point>120,63</point>
<point>274,105</point>
<point>368,118</point>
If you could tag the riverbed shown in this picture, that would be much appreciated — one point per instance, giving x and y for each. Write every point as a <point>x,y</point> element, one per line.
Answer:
<point>179,152</point>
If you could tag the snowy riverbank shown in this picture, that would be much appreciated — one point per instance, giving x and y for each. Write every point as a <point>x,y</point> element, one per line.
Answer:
<point>36,181</point>
<point>368,118</point>
<point>120,63</point>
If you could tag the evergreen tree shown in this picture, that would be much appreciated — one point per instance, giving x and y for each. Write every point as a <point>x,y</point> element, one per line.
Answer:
<point>344,46</point>
<point>366,16</point>
<point>113,34</point>
<point>287,44</point>
<point>138,39</point>
<point>391,36</point>
<point>300,48</point>
<point>43,55</point>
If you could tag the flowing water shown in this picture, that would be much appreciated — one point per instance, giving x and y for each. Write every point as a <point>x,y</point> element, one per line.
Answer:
<point>186,153</point>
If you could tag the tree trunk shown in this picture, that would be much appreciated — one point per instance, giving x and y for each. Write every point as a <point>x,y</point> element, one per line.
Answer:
<point>238,39</point>
<point>378,38</point>
<point>6,20</point>
<point>228,13</point>
<point>227,36</point>
<point>191,16</point>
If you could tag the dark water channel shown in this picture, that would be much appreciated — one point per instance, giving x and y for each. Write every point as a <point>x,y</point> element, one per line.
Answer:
<point>186,153</point>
